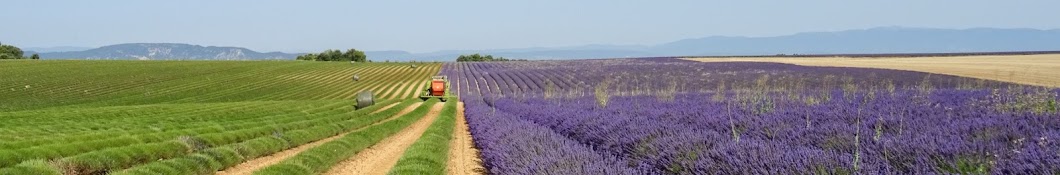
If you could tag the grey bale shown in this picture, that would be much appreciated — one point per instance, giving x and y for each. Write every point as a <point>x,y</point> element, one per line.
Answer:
<point>356,77</point>
<point>364,99</point>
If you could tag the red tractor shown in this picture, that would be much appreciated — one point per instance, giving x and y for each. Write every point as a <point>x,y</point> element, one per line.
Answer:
<point>439,89</point>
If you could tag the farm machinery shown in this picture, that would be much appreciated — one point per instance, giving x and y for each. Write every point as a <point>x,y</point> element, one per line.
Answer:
<point>364,99</point>
<point>439,89</point>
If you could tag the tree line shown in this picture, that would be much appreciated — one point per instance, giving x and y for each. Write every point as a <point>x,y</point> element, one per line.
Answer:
<point>479,58</point>
<point>336,55</point>
<point>12,52</point>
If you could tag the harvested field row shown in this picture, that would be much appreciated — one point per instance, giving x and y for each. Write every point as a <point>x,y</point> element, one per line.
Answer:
<point>188,117</point>
<point>324,157</point>
<point>250,166</point>
<point>95,84</point>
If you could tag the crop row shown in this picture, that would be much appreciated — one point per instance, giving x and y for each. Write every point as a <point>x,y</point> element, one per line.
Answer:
<point>321,158</point>
<point>428,155</point>
<point>689,135</point>
<point>68,146</point>
<point>628,77</point>
<point>218,158</point>
<point>96,83</point>
<point>636,116</point>
<point>248,142</point>
<point>512,145</point>
<point>147,119</point>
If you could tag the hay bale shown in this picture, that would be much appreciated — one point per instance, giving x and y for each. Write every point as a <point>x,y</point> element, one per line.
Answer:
<point>356,77</point>
<point>364,99</point>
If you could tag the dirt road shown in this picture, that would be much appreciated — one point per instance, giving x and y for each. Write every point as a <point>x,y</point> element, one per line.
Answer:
<point>463,156</point>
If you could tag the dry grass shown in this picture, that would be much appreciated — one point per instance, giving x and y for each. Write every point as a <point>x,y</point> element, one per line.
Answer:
<point>1042,70</point>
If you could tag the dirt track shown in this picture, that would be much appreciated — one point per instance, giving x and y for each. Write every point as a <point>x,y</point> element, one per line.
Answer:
<point>382,156</point>
<point>250,166</point>
<point>1025,69</point>
<point>463,156</point>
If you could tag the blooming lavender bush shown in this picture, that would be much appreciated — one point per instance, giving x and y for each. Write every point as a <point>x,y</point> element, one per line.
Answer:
<point>683,117</point>
<point>512,145</point>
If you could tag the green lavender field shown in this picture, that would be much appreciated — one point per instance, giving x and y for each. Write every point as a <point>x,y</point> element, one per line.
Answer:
<point>186,117</point>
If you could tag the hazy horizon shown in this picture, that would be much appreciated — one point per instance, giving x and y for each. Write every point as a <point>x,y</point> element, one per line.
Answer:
<point>311,26</point>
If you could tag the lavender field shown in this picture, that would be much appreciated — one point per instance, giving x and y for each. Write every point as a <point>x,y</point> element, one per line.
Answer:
<point>670,116</point>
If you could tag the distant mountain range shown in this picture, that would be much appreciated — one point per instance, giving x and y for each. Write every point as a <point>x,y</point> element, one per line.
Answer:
<point>875,40</point>
<point>55,49</point>
<point>166,51</point>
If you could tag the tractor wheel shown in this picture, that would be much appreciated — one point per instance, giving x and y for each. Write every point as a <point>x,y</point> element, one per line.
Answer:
<point>442,99</point>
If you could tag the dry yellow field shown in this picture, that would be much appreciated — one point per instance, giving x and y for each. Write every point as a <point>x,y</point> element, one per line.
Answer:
<point>1042,70</point>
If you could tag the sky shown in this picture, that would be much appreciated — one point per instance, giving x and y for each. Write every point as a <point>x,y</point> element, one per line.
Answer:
<point>425,26</point>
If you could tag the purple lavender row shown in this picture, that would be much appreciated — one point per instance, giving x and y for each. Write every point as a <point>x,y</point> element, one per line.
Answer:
<point>951,131</point>
<point>632,74</point>
<point>510,145</point>
<point>691,135</point>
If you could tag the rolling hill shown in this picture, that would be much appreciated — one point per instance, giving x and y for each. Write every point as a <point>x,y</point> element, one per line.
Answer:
<point>874,40</point>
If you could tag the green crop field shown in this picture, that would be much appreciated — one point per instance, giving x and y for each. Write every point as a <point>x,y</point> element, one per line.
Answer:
<point>187,117</point>
<point>45,84</point>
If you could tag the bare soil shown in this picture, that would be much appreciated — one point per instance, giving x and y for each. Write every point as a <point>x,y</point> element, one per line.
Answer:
<point>463,156</point>
<point>381,157</point>
<point>1041,70</point>
<point>250,166</point>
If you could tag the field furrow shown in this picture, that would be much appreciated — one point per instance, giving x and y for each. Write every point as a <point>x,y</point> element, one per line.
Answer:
<point>379,158</point>
<point>250,166</point>
<point>463,155</point>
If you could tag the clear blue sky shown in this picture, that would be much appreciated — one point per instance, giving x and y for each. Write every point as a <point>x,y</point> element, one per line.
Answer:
<point>423,26</point>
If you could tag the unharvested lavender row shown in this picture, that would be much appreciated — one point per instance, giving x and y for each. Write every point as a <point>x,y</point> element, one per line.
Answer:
<point>691,134</point>
<point>761,118</point>
<point>511,145</point>
<point>626,77</point>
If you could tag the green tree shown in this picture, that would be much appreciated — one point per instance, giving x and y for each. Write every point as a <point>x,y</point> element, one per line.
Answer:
<point>355,55</point>
<point>35,57</point>
<point>307,57</point>
<point>10,52</point>
<point>336,55</point>
<point>479,57</point>
<point>331,55</point>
